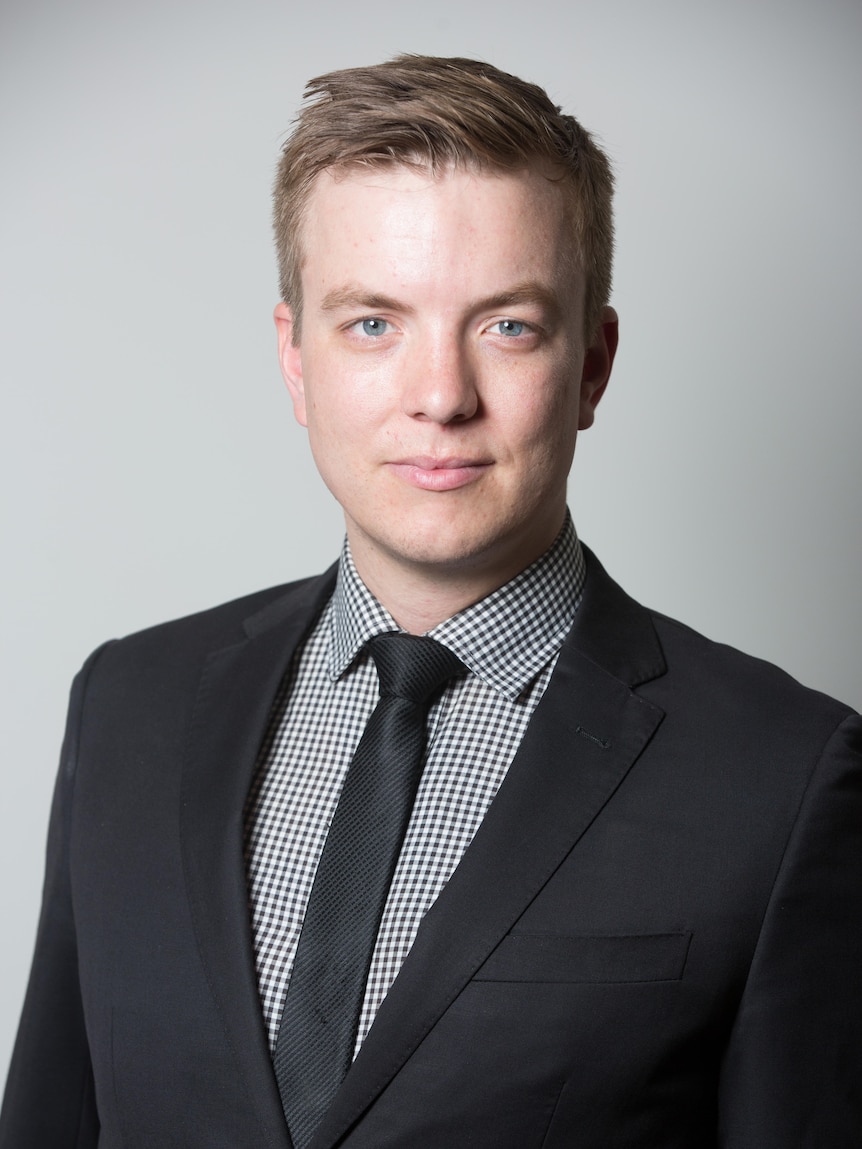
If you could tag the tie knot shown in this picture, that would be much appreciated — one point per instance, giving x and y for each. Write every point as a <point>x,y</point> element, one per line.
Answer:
<point>412,666</point>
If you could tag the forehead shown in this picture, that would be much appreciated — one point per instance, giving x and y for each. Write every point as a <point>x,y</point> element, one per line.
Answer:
<point>416,226</point>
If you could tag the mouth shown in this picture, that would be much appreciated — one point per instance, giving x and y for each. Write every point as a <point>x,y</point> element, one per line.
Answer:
<point>447,474</point>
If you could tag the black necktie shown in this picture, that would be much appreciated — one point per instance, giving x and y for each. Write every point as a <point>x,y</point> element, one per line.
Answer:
<point>317,1032</point>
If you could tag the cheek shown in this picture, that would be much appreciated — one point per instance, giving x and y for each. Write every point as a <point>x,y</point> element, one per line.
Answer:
<point>344,429</point>
<point>350,396</point>
<point>543,416</point>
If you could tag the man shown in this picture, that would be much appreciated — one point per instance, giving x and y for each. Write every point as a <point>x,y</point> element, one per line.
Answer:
<point>620,905</point>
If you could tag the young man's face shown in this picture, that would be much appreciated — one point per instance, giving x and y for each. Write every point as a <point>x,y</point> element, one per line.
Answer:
<point>442,370</point>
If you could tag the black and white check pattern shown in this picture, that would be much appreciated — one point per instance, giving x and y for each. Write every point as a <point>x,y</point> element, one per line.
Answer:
<point>509,641</point>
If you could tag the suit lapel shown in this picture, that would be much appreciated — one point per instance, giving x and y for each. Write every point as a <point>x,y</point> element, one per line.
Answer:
<point>584,737</point>
<point>237,689</point>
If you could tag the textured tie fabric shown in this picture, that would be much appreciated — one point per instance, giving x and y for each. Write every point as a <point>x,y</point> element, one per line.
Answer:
<point>318,1025</point>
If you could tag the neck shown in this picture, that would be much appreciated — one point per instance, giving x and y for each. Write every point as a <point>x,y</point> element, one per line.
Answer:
<point>418,604</point>
<point>421,597</point>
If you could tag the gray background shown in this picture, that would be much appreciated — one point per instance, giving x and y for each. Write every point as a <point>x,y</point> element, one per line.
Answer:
<point>150,463</point>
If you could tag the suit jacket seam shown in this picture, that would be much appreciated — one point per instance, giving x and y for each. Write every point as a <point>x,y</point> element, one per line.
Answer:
<point>789,838</point>
<point>67,786</point>
<point>192,724</point>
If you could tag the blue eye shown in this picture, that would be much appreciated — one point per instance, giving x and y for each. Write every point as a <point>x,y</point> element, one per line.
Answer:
<point>374,326</point>
<point>510,327</point>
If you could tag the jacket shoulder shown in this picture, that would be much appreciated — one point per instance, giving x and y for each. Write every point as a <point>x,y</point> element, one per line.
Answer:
<point>193,635</point>
<point>742,679</point>
<point>676,665</point>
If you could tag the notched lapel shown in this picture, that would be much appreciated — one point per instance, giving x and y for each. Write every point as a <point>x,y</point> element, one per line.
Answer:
<point>584,737</point>
<point>237,689</point>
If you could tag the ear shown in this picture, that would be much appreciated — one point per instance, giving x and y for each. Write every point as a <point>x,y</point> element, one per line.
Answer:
<point>598,361</point>
<point>290,360</point>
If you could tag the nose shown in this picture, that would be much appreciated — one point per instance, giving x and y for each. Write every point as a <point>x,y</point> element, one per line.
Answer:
<point>440,384</point>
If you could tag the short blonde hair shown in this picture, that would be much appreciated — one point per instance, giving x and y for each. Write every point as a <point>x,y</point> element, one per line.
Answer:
<point>436,113</point>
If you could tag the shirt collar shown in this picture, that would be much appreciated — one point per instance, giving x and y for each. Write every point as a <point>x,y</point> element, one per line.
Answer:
<point>504,639</point>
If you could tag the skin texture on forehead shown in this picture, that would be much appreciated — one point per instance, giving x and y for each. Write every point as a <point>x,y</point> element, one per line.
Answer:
<point>568,248</point>
<point>403,192</point>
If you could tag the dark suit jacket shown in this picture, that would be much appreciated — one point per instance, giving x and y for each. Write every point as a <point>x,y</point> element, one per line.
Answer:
<point>654,939</point>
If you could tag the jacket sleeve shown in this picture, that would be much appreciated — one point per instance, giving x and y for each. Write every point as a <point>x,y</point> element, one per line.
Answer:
<point>50,1100</point>
<point>792,1075</point>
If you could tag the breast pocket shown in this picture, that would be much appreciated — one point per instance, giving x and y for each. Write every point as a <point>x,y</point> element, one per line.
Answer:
<point>538,957</point>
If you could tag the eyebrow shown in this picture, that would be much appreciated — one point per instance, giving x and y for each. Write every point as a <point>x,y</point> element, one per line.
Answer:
<point>353,296</point>
<point>529,292</point>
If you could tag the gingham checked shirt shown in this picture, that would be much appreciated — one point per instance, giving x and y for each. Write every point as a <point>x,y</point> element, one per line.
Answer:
<point>509,642</point>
